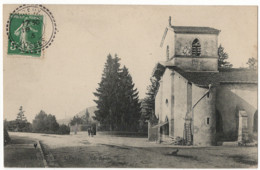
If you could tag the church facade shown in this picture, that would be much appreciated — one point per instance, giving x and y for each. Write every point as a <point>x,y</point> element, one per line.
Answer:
<point>197,102</point>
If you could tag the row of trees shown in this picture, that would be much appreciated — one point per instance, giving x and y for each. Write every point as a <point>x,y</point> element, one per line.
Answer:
<point>42,123</point>
<point>117,98</point>
<point>223,63</point>
<point>83,120</point>
<point>46,123</point>
<point>20,124</point>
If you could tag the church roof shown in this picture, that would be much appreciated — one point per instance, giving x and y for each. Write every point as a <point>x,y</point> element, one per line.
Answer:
<point>235,76</point>
<point>195,30</point>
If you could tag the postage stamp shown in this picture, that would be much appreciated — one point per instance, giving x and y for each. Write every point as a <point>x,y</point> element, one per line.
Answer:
<point>30,30</point>
<point>25,34</point>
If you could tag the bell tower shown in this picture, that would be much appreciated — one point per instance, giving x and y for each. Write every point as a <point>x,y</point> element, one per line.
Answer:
<point>191,48</point>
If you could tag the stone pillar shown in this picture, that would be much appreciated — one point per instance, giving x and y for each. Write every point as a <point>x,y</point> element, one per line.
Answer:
<point>159,135</point>
<point>171,128</point>
<point>171,121</point>
<point>242,127</point>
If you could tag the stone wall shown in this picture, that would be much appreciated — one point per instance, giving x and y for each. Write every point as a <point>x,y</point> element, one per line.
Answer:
<point>196,63</point>
<point>168,41</point>
<point>230,99</point>
<point>204,116</point>
<point>166,99</point>
<point>180,104</point>
<point>153,133</point>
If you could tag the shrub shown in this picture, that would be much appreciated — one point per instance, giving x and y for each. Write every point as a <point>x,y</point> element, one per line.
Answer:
<point>18,126</point>
<point>64,130</point>
<point>7,138</point>
<point>45,123</point>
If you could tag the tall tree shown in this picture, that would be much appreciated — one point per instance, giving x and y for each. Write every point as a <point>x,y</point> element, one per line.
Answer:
<point>117,99</point>
<point>20,116</point>
<point>45,123</point>
<point>130,106</point>
<point>107,94</point>
<point>252,63</point>
<point>222,58</point>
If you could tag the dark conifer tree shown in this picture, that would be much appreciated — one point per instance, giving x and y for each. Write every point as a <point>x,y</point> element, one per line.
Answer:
<point>20,116</point>
<point>117,99</point>
<point>222,58</point>
<point>106,93</point>
<point>130,105</point>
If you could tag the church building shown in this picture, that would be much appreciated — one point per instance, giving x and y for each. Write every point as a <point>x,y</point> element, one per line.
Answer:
<point>197,102</point>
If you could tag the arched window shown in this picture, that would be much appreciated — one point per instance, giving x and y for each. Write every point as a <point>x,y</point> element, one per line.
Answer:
<point>196,48</point>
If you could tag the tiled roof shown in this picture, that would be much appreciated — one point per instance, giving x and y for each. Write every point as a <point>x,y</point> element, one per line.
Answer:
<point>215,78</point>
<point>238,75</point>
<point>195,30</point>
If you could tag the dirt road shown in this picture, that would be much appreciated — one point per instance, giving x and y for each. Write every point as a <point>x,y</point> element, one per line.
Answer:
<point>106,151</point>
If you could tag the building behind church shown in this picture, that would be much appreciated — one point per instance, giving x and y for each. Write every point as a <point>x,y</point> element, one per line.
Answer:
<point>196,101</point>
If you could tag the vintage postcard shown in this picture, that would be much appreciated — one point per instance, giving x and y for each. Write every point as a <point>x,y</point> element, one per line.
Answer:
<point>130,86</point>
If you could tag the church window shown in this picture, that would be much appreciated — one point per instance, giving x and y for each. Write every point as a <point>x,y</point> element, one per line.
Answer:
<point>166,102</point>
<point>196,47</point>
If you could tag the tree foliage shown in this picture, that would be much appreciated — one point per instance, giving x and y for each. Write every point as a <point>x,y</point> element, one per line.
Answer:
<point>20,116</point>
<point>7,138</point>
<point>45,123</point>
<point>20,124</point>
<point>63,129</point>
<point>252,63</point>
<point>130,107</point>
<point>76,120</point>
<point>149,101</point>
<point>87,120</point>
<point>84,119</point>
<point>222,58</point>
<point>117,99</point>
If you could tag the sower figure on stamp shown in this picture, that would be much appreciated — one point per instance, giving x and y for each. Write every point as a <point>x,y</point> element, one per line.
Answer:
<point>22,31</point>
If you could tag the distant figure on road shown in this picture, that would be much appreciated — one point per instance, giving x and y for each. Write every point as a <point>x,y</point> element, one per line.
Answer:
<point>89,131</point>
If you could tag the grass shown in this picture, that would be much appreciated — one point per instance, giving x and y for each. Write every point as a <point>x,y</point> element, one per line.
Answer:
<point>158,157</point>
<point>21,153</point>
<point>243,159</point>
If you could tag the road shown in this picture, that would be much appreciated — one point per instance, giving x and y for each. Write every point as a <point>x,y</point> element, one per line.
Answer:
<point>107,151</point>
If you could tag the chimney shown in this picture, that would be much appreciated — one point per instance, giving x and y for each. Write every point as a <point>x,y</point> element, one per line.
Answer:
<point>170,21</point>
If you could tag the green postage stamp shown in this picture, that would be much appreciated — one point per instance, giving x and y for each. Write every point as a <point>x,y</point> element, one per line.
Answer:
<point>25,34</point>
<point>30,29</point>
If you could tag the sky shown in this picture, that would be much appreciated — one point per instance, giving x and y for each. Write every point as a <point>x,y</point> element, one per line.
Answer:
<point>63,81</point>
